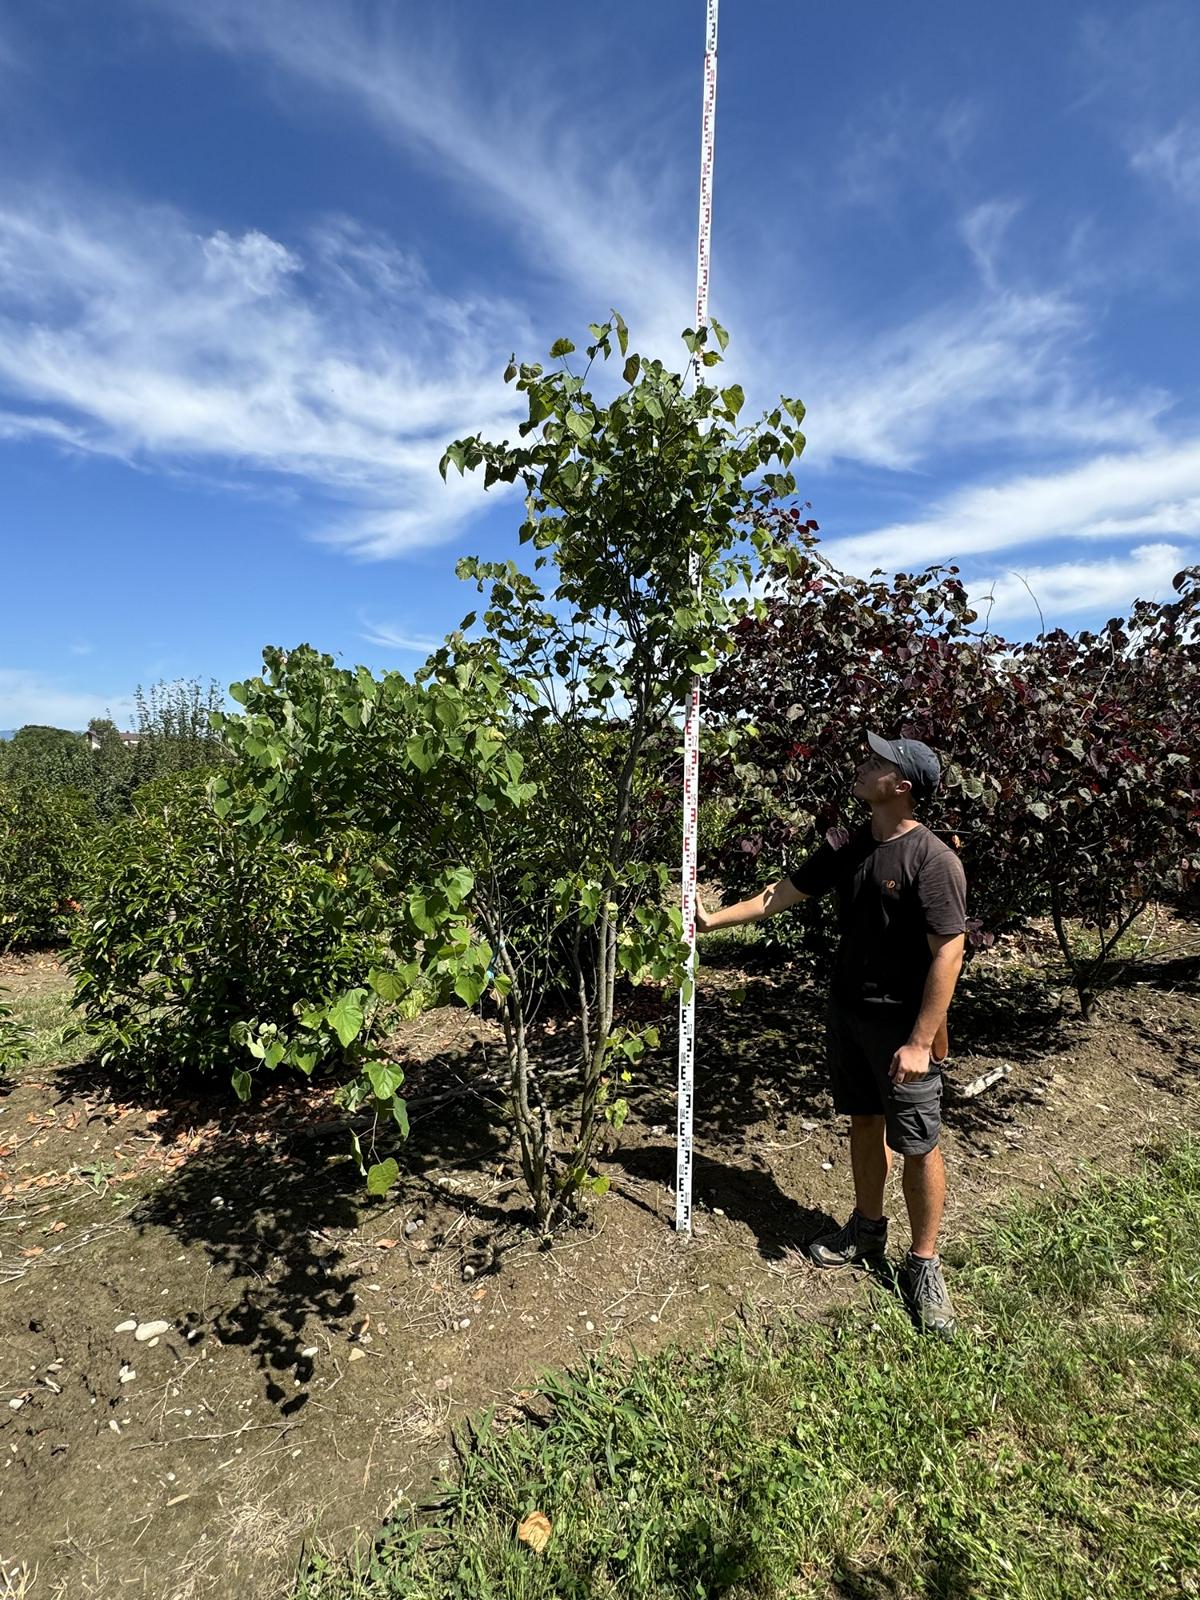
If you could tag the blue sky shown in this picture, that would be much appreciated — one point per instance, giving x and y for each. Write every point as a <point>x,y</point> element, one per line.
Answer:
<point>260,261</point>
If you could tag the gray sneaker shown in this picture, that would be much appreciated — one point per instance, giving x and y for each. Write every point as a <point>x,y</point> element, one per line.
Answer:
<point>927,1295</point>
<point>857,1240</point>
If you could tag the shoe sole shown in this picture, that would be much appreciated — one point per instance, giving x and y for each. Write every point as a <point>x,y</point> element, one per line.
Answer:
<point>873,1259</point>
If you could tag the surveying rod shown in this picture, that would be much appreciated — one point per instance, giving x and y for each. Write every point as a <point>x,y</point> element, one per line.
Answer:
<point>691,730</point>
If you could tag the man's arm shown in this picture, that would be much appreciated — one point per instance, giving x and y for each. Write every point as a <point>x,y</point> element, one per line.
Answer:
<point>776,897</point>
<point>911,1061</point>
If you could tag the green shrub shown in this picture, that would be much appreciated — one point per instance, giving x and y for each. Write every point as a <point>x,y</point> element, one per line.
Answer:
<point>43,835</point>
<point>195,928</point>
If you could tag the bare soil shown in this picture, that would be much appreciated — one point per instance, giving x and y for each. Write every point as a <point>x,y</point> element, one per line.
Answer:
<point>321,1346</point>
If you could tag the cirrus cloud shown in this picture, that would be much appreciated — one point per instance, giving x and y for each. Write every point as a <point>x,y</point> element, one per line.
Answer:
<point>124,332</point>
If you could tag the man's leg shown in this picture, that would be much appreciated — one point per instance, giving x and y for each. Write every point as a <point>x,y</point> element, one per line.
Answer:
<point>870,1161</point>
<point>924,1183</point>
<point>921,1277</point>
<point>856,1095</point>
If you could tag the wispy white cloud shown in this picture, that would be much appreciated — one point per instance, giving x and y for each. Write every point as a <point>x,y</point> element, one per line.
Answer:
<point>392,638</point>
<point>27,696</point>
<point>591,209</point>
<point>1173,159</point>
<point>1180,517</point>
<point>1153,491</point>
<point>1005,368</point>
<point>335,362</point>
<point>1067,588</point>
<point>610,218</point>
<point>331,359</point>
<point>984,229</point>
<point>897,144</point>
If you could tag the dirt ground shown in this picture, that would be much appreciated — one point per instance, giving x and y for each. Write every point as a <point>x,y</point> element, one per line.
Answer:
<point>318,1347</point>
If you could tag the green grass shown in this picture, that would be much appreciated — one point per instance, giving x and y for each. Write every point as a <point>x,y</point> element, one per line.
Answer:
<point>726,944</point>
<point>1052,1451</point>
<point>49,1026</point>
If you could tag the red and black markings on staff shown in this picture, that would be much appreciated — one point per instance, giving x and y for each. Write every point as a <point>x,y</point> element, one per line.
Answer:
<point>691,730</point>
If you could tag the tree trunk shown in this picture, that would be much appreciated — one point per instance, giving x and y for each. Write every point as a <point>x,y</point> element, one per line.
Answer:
<point>530,1112</point>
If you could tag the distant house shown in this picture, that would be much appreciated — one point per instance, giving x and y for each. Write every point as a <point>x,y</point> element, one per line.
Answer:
<point>129,740</point>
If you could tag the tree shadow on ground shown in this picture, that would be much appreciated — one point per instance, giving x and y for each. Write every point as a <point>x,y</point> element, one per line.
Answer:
<point>1015,1013</point>
<point>275,1200</point>
<point>270,1227</point>
<point>279,1212</point>
<point>760,1051</point>
<point>1179,973</point>
<point>759,1062</point>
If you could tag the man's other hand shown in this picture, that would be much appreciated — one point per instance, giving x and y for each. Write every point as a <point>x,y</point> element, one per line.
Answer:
<point>909,1063</point>
<point>703,920</point>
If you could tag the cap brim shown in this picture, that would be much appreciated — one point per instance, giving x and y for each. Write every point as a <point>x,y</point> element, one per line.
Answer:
<point>883,747</point>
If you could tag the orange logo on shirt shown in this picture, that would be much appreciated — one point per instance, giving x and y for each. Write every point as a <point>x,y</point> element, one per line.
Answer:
<point>890,884</point>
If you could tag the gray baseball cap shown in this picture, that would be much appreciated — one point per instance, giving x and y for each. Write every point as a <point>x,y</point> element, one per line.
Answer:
<point>916,761</point>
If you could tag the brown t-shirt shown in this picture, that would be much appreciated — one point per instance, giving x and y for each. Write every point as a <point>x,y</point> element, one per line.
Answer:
<point>891,895</point>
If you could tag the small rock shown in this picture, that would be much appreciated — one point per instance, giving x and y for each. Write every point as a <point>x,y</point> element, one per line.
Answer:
<point>150,1330</point>
<point>150,1343</point>
<point>468,1272</point>
<point>827,1166</point>
<point>16,1404</point>
<point>654,1316</point>
<point>309,1352</point>
<point>217,1203</point>
<point>465,1322</point>
<point>127,1326</point>
<point>126,1374</point>
<point>358,1355</point>
<point>411,1226</point>
<point>590,1326</point>
<point>810,1127</point>
<point>114,1424</point>
<point>717,1211</point>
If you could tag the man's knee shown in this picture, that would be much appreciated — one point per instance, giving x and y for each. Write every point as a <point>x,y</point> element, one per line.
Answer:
<point>920,1159</point>
<point>867,1124</point>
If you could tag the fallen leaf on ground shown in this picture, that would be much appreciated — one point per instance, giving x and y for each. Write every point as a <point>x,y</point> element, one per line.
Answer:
<point>386,1244</point>
<point>535,1531</point>
<point>56,1227</point>
<point>34,1250</point>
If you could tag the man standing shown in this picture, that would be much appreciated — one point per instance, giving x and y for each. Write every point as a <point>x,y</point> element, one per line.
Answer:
<point>902,919</point>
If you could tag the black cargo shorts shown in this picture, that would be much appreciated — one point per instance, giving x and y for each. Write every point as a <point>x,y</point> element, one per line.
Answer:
<point>859,1051</point>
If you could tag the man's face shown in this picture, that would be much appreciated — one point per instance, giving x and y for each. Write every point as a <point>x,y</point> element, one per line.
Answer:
<point>876,780</point>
